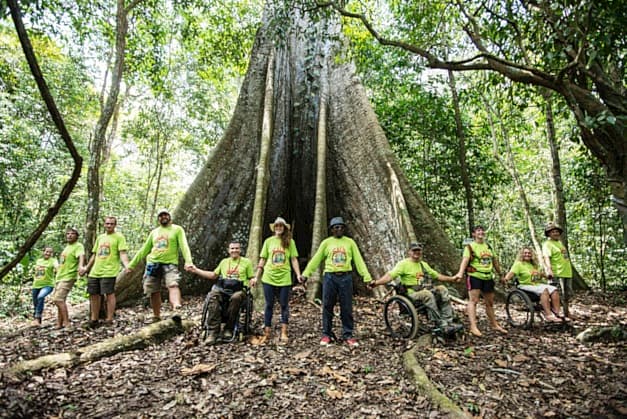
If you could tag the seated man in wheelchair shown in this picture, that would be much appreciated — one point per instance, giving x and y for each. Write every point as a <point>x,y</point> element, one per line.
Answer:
<point>234,273</point>
<point>415,275</point>
<point>527,269</point>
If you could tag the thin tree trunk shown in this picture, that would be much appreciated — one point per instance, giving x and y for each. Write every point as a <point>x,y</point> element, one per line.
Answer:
<point>560,200</point>
<point>99,141</point>
<point>65,135</point>
<point>463,166</point>
<point>510,167</point>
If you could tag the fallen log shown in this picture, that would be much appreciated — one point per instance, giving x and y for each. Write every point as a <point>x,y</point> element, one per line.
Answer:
<point>608,333</point>
<point>428,389</point>
<point>150,335</point>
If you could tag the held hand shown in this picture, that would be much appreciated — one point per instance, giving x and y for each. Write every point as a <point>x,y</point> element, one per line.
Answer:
<point>372,284</point>
<point>301,279</point>
<point>128,270</point>
<point>82,271</point>
<point>190,267</point>
<point>252,282</point>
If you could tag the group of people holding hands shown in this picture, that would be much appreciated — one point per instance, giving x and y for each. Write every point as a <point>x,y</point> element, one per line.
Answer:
<point>277,259</point>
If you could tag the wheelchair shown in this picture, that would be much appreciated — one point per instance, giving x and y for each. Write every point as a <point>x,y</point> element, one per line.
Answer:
<point>404,318</point>
<point>243,322</point>
<point>522,307</point>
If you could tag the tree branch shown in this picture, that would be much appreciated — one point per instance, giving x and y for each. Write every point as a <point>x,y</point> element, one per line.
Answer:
<point>58,121</point>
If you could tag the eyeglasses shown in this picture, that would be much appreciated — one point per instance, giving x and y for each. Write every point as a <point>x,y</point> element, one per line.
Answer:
<point>338,227</point>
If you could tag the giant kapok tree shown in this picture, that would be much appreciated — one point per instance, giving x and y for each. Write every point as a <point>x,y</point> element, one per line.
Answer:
<point>304,144</point>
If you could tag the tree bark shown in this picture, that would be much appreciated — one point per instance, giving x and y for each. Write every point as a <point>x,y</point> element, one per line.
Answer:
<point>364,182</point>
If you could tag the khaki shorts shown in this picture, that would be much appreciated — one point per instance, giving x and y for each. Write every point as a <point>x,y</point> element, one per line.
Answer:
<point>169,276</point>
<point>61,290</point>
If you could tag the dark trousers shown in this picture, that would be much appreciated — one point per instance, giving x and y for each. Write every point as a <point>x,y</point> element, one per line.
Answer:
<point>271,292</point>
<point>215,309</point>
<point>336,286</point>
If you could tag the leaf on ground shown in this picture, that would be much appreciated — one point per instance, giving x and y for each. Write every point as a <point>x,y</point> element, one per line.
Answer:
<point>334,394</point>
<point>198,369</point>
<point>328,371</point>
<point>501,363</point>
<point>521,358</point>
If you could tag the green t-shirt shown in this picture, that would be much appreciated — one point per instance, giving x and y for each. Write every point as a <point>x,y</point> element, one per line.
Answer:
<point>44,272</point>
<point>242,269</point>
<point>527,273</point>
<point>107,250</point>
<point>338,255</point>
<point>411,273</point>
<point>68,262</point>
<point>558,255</point>
<point>277,270</point>
<point>162,246</point>
<point>481,260</point>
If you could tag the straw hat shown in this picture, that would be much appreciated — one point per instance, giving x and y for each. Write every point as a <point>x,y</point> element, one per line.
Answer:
<point>279,220</point>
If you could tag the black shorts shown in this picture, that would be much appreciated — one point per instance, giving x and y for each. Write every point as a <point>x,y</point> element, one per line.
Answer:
<point>484,285</point>
<point>100,286</point>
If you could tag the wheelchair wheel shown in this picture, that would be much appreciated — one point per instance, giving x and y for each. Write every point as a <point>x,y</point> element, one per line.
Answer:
<point>205,314</point>
<point>401,318</point>
<point>520,309</point>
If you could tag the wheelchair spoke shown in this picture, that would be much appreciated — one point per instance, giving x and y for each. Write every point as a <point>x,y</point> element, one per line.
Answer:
<point>519,309</point>
<point>401,319</point>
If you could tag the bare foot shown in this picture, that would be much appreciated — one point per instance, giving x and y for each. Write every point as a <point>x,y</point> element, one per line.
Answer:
<point>499,329</point>
<point>475,332</point>
<point>553,319</point>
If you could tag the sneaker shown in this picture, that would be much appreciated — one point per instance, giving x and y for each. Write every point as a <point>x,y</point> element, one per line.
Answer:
<point>228,334</point>
<point>352,342</point>
<point>325,341</point>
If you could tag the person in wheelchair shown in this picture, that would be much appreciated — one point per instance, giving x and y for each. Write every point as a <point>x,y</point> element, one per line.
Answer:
<point>416,275</point>
<point>232,273</point>
<point>527,269</point>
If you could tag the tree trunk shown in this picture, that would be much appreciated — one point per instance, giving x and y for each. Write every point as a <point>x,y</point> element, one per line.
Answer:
<point>463,166</point>
<point>560,200</point>
<point>364,183</point>
<point>99,143</point>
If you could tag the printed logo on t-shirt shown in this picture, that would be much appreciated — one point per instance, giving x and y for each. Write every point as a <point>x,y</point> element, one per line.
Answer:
<point>278,256</point>
<point>419,276</point>
<point>40,271</point>
<point>486,258</point>
<point>161,243</point>
<point>104,250</point>
<point>338,256</point>
<point>62,258</point>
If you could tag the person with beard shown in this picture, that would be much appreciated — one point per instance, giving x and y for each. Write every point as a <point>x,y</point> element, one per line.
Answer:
<point>338,253</point>
<point>161,251</point>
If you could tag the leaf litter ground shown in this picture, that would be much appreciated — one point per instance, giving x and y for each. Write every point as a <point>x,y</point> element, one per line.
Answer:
<point>543,372</point>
